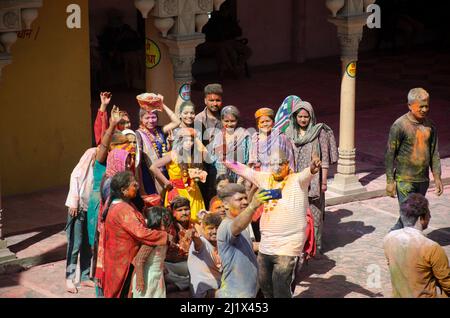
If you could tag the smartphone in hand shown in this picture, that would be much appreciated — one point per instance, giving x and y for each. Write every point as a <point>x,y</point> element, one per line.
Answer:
<point>274,193</point>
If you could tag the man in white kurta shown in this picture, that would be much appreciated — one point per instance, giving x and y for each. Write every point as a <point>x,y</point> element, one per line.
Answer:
<point>283,222</point>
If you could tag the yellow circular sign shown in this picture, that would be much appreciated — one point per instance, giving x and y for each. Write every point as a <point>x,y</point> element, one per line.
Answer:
<point>152,54</point>
<point>351,69</point>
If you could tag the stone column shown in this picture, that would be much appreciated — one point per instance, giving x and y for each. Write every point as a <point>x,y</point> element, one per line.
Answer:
<point>350,21</point>
<point>5,253</point>
<point>176,28</point>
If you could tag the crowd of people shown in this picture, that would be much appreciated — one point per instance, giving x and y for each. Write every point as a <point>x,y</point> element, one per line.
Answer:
<point>202,204</point>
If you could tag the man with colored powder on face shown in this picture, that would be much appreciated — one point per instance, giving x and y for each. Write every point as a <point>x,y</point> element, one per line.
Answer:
<point>283,223</point>
<point>239,264</point>
<point>411,150</point>
<point>418,266</point>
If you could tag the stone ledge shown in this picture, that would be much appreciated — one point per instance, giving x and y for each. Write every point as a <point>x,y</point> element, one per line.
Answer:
<point>22,264</point>
<point>368,195</point>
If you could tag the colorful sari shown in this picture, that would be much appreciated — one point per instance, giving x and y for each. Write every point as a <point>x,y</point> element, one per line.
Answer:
<point>116,163</point>
<point>260,150</point>
<point>151,148</point>
<point>235,149</point>
<point>183,186</point>
<point>125,231</point>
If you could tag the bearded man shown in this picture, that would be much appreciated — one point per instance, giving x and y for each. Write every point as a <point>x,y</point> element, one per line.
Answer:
<point>283,222</point>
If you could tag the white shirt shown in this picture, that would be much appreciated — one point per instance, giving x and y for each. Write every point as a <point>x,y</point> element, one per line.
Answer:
<point>283,230</point>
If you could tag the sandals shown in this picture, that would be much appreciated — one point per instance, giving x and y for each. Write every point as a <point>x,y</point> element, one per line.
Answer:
<point>87,283</point>
<point>70,287</point>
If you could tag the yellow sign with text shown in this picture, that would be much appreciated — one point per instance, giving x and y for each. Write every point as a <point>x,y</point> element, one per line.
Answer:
<point>351,69</point>
<point>152,54</point>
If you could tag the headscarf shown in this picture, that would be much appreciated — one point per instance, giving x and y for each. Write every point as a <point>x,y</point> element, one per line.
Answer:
<point>119,141</point>
<point>313,129</point>
<point>116,162</point>
<point>126,132</point>
<point>264,112</point>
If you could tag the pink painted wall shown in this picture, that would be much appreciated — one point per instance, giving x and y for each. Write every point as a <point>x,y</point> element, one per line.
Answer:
<point>267,25</point>
<point>321,35</point>
<point>98,13</point>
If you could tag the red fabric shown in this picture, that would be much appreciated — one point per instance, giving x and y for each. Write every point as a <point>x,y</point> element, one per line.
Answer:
<point>258,213</point>
<point>152,200</point>
<point>310,245</point>
<point>177,184</point>
<point>125,231</point>
<point>179,251</point>
<point>100,126</point>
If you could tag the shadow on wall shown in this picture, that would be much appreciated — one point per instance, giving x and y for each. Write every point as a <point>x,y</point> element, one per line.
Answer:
<point>337,234</point>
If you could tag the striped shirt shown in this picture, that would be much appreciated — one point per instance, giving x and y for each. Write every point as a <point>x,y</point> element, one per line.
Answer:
<point>283,223</point>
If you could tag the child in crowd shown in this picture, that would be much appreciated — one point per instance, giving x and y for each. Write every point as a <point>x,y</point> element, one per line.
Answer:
<point>204,262</point>
<point>148,280</point>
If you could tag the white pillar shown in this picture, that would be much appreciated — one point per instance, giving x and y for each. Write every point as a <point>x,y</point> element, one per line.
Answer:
<point>175,26</point>
<point>350,23</point>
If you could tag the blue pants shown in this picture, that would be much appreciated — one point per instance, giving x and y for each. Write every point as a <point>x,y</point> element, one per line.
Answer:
<point>404,189</point>
<point>78,244</point>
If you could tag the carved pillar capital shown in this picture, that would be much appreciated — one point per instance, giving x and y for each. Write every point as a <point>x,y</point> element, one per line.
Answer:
<point>349,32</point>
<point>15,15</point>
<point>182,55</point>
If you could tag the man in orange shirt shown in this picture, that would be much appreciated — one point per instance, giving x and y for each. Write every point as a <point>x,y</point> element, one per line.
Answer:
<point>418,265</point>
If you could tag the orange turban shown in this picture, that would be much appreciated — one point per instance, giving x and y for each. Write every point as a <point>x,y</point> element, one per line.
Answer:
<point>265,112</point>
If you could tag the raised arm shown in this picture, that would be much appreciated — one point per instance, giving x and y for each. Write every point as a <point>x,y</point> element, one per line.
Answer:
<point>241,222</point>
<point>101,121</point>
<point>102,153</point>
<point>174,119</point>
<point>155,168</point>
<point>242,170</point>
<point>196,240</point>
<point>308,173</point>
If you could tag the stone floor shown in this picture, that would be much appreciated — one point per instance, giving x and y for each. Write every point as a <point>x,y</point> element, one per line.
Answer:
<point>353,264</point>
<point>33,223</point>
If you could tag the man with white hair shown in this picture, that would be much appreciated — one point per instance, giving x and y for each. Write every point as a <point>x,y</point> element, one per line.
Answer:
<point>283,222</point>
<point>411,150</point>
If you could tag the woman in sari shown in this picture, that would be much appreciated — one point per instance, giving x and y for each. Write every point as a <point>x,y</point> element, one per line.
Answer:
<point>178,162</point>
<point>232,144</point>
<point>312,139</point>
<point>118,160</point>
<point>265,142</point>
<point>110,140</point>
<point>125,231</point>
<point>152,145</point>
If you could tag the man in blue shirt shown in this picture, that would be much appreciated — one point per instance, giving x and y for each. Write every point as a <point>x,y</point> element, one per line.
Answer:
<point>240,268</point>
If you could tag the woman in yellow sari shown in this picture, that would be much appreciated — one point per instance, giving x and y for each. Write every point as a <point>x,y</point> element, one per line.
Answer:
<point>181,165</point>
